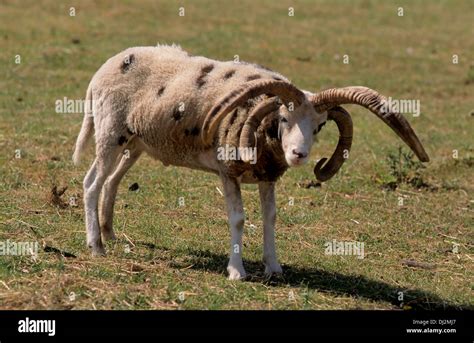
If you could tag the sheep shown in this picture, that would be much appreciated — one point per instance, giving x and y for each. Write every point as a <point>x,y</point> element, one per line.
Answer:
<point>182,110</point>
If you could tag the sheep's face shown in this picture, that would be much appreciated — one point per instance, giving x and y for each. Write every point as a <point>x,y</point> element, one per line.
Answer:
<point>297,131</point>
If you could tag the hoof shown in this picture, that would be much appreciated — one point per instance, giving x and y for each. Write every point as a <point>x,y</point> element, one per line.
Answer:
<point>273,269</point>
<point>236,273</point>
<point>97,249</point>
<point>98,252</point>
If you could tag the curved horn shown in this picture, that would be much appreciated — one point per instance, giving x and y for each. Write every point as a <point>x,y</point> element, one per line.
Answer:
<point>247,135</point>
<point>238,97</point>
<point>376,103</point>
<point>344,124</point>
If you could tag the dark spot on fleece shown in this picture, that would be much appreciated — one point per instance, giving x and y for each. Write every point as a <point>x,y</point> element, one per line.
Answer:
<point>193,132</point>
<point>177,114</point>
<point>161,90</point>
<point>229,74</point>
<point>204,71</point>
<point>130,132</point>
<point>207,69</point>
<point>122,140</point>
<point>277,78</point>
<point>200,82</point>
<point>253,77</point>
<point>127,62</point>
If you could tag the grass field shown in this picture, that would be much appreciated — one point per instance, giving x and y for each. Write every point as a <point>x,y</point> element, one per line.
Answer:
<point>170,256</point>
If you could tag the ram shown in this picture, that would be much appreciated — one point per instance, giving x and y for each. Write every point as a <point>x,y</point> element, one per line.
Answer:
<point>183,110</point>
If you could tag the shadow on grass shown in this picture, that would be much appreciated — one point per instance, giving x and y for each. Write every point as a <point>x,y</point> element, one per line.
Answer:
<point>326,281</point>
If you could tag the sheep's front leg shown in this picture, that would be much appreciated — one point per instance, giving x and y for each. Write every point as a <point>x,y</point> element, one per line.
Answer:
<point>267,201</point>
<point>235,212</point>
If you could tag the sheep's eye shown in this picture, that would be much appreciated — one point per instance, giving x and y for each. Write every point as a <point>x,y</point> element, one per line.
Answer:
<point>283,120</point>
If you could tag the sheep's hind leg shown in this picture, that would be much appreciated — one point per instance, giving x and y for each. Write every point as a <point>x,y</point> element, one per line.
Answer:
<point>103,165</point>
<point>235,211</point>
<point>267,202</point>
<point>130,155</point>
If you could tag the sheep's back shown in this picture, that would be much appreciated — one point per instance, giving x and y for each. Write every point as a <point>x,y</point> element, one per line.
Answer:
<point>168,93</point>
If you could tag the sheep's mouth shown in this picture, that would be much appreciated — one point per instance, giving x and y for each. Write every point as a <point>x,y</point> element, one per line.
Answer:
<point>296,161</point>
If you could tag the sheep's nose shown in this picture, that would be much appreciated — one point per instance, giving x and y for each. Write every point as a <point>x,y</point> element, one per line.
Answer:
<point>299,154</point>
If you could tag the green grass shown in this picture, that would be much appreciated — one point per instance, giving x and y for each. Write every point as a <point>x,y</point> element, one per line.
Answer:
<point>178,254</point>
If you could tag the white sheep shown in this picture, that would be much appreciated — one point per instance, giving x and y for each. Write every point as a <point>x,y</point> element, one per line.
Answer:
<point>182,110</point>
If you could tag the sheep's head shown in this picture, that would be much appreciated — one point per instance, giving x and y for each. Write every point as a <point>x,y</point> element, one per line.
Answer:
<point>303,115</point>
<point>297,128</point>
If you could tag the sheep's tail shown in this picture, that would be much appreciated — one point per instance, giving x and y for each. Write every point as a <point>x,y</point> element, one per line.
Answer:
<point>87,128</point>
